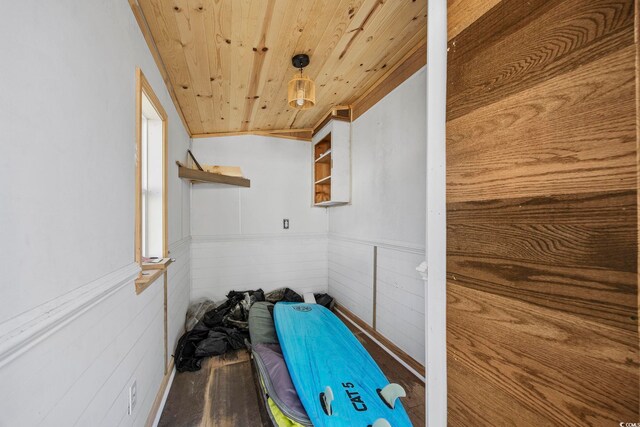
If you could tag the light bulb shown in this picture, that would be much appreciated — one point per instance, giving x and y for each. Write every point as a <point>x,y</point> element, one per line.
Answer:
<point>300,98</point>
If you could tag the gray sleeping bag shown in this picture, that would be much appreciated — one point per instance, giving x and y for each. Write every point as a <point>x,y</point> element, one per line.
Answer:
<point>271,366</point>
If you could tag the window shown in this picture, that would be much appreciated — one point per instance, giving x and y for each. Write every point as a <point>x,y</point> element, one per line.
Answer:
<point>151,178</point>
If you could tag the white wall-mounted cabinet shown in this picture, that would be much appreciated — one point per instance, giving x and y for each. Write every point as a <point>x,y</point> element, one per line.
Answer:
<point>332,164</point>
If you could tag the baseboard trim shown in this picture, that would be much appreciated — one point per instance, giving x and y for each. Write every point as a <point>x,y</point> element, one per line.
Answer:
<point>21,333</point>
<point>407,361</point>
<point>161,397</point>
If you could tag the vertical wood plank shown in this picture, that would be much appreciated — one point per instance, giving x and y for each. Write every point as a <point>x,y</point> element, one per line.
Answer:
<point>543,215</point>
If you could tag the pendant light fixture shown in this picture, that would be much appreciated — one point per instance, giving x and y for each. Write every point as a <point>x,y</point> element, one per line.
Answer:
<point>302,90</point>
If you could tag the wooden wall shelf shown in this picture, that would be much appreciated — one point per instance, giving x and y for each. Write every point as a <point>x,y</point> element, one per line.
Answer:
<point>196,176</point>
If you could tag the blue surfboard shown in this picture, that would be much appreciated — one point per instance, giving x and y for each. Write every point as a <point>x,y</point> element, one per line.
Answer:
<point>324,358</point>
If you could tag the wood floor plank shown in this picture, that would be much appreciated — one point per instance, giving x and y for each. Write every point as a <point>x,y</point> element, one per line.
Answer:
<point>233,397</point>
<point>575,133</point>
<point>595,208</point>
<point>599,295</point>
<point>582,246</point>
<point>462,13</point>
<point>185,402</point>
<point>594,230</point>
<point>473,401</point>
<point>526,43</point>
<point>555,365</point>
<point>542,176</point>
<point>225,391</point>
<point>576,253</point>
<point>221,393</point>
<point>414,403</point>
<point>500,21</point>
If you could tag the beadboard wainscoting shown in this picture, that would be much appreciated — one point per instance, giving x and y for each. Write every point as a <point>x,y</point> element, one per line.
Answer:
<point>351,276</point>
<point>220,264</point>
<point>377,281</point>
<point>77,355</point>
<point>400,299</point>
<point>83,354</point>
<point>178,290</point>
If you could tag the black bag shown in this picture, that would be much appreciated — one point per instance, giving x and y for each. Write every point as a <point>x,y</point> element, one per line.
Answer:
<point>234,337</point>
<point>325,300</point>
<point>185,355</point>
<point>292,296</point>
<point>221,329</point>
<point>235,310</point>
<point>214,345</point>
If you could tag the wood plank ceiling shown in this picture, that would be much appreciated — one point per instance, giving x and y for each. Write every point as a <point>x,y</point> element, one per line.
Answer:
<point>228,62</point>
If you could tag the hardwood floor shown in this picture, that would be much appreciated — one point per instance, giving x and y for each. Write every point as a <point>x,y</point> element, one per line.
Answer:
<point>542,215</point>
<point>414,403</point>
<point>224,393</point>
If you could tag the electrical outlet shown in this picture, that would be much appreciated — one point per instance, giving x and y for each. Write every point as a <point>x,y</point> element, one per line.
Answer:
<point>133,396</point>
<point>285,224</point>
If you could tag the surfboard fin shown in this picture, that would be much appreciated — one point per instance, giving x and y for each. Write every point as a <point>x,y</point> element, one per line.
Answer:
<point>381,422</point>
<point>390,393</point>
<point>326,398</point>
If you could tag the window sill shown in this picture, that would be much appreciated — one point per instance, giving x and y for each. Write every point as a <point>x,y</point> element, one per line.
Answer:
<point>150,273</point>
<point>162,265</point>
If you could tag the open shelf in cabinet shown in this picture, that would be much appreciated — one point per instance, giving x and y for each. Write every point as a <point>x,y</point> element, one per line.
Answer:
<point>322,170</point>
<point>331,167</point>
<point>325,157</point>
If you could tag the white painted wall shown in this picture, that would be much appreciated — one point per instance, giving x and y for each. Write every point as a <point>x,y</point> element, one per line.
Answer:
<point>387,210</point>
<point>67,146</point>
<point>238,239</point>
<point>388,170</point>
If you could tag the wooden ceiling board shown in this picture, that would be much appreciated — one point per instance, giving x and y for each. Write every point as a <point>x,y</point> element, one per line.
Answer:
<point>359,69</point>
<point>416,36</point>
<point>229,61</point>
<point>274,93</point>
<point>273,86</point>
<point>319,48</point>
<point>219,55</point>
<point>191,26</point>
<point>246,17</point>
<point>362,58</point>
<point>146,33</point>
<point>165,32</point>
<point>277,64</point>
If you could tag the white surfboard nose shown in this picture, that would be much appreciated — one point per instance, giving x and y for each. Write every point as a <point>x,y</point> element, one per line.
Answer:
<point>390,393</point>
<point>381,422</point>
<point>309,298</point>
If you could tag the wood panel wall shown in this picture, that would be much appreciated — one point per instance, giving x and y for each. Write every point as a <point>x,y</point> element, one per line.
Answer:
<point>542,215</point>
